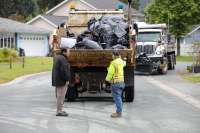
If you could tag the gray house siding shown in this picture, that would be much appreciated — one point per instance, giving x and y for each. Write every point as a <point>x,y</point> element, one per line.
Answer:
<point>188,40</point>
<point>193,37</point>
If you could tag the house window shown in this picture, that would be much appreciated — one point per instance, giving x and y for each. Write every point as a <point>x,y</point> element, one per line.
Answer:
<point>1,41</point>
<point>12,43</point>
<point>7,41</point>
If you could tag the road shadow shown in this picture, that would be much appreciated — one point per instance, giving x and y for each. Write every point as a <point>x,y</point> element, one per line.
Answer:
<point>92,99</point>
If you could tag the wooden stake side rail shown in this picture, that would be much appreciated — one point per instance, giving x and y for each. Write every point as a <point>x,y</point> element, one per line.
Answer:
<point>97,58</point>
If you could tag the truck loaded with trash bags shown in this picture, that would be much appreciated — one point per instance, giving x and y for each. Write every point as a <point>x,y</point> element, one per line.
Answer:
<point>92,36</point>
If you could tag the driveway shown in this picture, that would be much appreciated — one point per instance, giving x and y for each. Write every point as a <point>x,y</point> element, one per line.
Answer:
<point>28,106</point>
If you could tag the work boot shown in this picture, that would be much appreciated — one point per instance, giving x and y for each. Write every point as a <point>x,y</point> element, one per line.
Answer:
<point>62,114</point>
<point>116,115</point>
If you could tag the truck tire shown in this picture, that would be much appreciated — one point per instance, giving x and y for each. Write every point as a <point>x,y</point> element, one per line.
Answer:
<point>163,70</point>
<point>71,94</point>
<point>129,94</point>
<point>174,61</point>
<point>171,62</point>
<point>173,66</point>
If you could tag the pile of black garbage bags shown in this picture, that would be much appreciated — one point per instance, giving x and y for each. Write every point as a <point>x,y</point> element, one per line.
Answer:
<point>109,32</point>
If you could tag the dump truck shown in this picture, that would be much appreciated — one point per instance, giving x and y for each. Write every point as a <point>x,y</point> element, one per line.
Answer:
<point>155,50</point>
<point>89,66</point>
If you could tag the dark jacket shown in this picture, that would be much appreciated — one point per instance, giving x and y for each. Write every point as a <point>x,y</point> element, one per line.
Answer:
<point>60,71</point>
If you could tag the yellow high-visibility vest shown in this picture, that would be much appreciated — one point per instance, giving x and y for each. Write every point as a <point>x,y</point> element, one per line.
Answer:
<point>116,71</point>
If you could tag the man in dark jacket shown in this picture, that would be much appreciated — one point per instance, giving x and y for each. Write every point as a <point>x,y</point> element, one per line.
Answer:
<point>60,79</point>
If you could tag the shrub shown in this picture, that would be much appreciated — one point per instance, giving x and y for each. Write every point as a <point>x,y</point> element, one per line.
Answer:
<point>6,53</point>
<point>13,53</point>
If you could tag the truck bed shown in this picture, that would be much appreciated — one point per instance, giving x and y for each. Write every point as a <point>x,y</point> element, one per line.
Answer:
<point>97,58</point>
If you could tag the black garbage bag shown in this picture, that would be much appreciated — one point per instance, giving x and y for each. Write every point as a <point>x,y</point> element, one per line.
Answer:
<point>85,34</point>
<point>123,41</point>
<point>91,44</point>
<point>119,46</point>
<point>80,37</point>
<point>80,45</point>
<point>116,23</point>
<point>91,24</point>
<point>108,30</point>
<point>109,40</point>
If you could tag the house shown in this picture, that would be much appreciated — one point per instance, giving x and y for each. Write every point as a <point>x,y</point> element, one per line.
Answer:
<point>59,13</point>
<point>188,40</point>
<point>17,35</point>
<point>49,22</point>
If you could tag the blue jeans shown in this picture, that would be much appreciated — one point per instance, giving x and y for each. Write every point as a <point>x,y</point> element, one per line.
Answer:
<point>117,90</point>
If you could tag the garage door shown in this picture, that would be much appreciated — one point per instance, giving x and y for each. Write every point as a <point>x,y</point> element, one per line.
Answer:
<point>33,45</point>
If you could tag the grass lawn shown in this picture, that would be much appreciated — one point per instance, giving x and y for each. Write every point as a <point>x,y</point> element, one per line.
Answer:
<point>184,58</point>
<point>194,79</point>
<point>32,65</point>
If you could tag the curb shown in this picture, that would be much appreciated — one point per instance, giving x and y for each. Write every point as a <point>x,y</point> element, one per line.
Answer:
<point>19,79</point>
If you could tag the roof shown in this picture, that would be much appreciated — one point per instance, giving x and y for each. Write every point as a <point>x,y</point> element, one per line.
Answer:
<point>105,4</point>
<point>111,4</point>
<point>57,20</point>
<point>64,2</point>
<point>11,26</point>
<point>194,28</point>
<point>100,4</point>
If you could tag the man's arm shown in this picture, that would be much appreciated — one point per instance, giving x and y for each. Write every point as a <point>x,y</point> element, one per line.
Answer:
<point>65,69</point>
<point>110,73</point>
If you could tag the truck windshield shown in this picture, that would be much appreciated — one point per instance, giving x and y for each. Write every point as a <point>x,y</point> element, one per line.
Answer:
<point>148,36</point>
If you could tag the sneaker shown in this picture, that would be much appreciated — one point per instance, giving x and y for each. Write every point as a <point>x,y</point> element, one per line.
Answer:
<point>62,114</point>
<point>116,115</point>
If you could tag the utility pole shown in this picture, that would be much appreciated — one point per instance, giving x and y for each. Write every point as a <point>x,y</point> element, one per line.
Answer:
<point>129,21</point>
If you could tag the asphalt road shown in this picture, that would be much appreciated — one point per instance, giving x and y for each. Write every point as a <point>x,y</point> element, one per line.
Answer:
<point>163,104</point>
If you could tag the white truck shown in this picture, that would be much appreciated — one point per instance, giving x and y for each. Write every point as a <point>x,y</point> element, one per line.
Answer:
<point>154,49</point>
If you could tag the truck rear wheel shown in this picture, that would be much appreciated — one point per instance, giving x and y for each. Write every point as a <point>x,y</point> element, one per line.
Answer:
<point>71,94</point>
<point>129,93</point>
<point>171,62</point>
<point>163,70</point>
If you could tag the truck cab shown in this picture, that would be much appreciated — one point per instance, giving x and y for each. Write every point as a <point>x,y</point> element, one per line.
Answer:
<point>153,51</point>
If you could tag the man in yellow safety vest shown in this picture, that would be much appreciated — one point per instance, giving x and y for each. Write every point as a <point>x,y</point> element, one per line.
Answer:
<point>115,77</point>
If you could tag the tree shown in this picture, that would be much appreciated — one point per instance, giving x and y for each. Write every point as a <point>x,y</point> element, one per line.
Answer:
<point>135,3</point>
<point>47,4</point>
<point>17,8</point>
<point>6,8</point>
<point>180,14</point>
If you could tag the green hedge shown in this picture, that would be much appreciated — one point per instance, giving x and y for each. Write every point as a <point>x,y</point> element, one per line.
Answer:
<point>7,53</point>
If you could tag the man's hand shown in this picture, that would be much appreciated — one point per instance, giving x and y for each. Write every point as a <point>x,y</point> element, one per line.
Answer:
<point>107,83</point>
